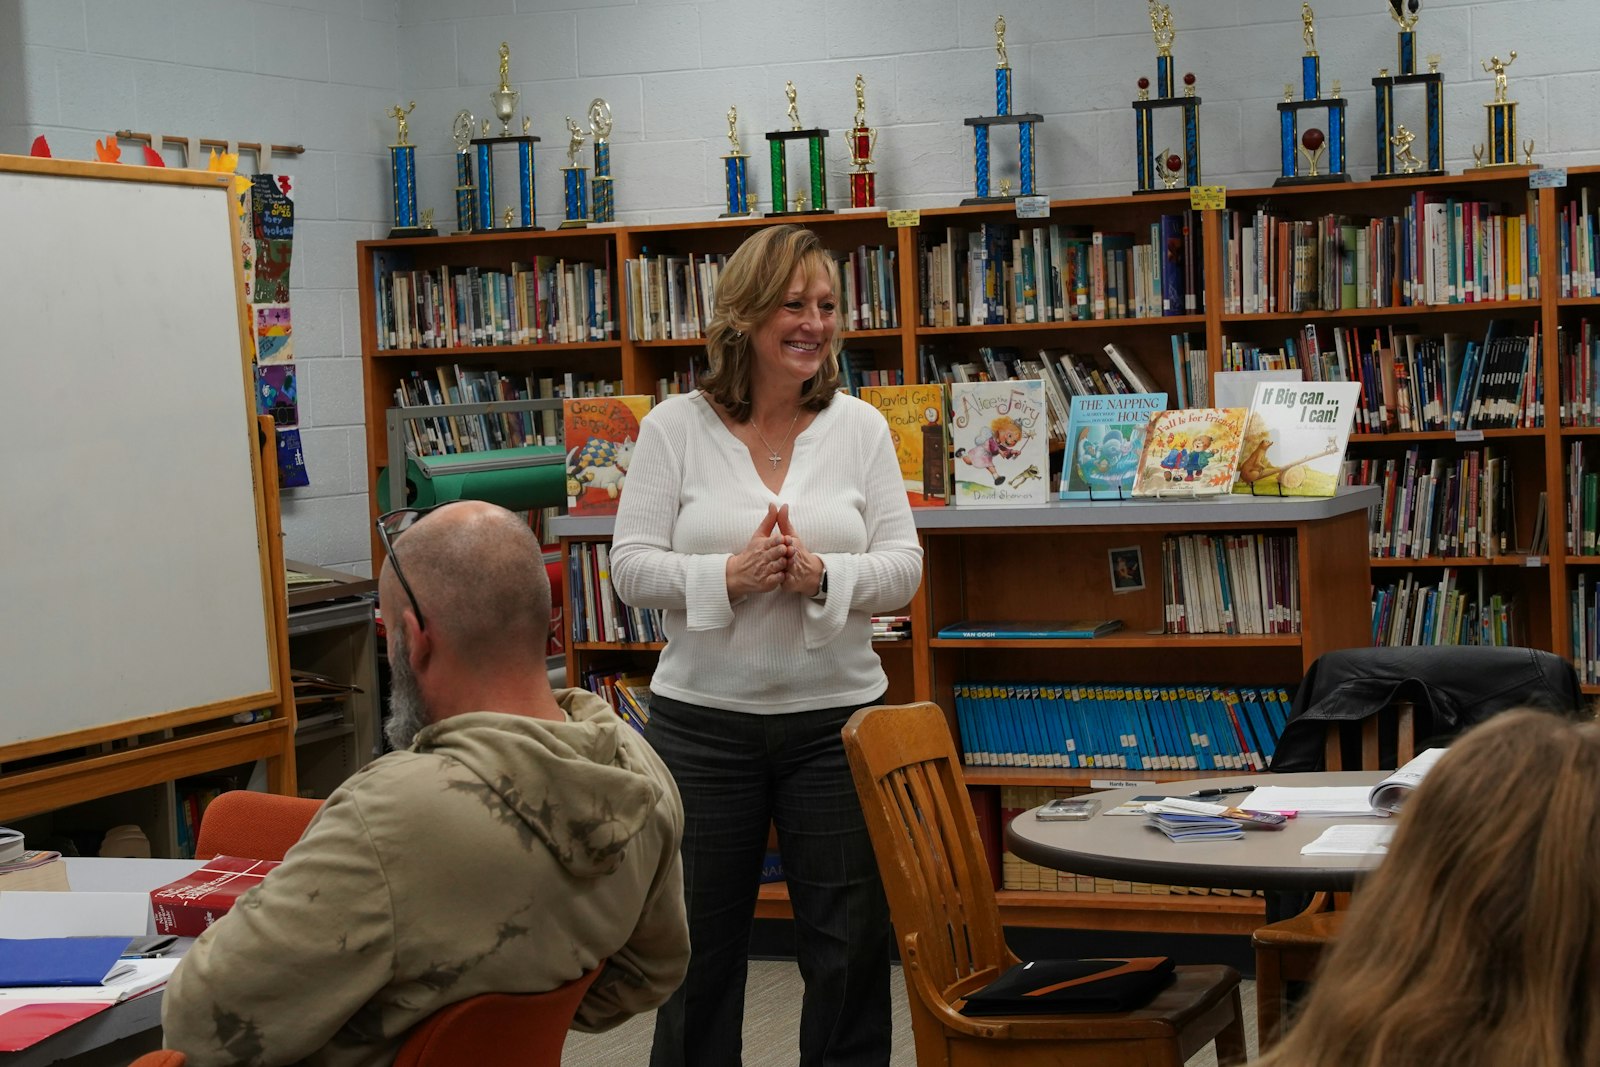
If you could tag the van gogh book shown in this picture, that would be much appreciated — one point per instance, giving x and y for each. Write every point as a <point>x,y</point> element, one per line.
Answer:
<point>916,418</point>
<point>1190,452</point>
<point>1105,437</point>
<point>1295,438</point>
<point>1002,453</point>
<point>1047,630</point>
<point>600,434</point>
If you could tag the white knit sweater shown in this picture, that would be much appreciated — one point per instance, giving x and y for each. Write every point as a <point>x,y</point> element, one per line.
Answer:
<point>694,498</point>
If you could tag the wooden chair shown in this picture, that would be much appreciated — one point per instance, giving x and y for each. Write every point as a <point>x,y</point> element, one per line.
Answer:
<point>497,1029</point>
<point>161,1057</point>
<point>920,819</point>
<point>257,826</point>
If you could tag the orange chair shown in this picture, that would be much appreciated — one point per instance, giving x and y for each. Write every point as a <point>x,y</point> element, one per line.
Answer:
<point>497,1029</point>
<point>164,1057</point>
<point>257,826</point>
<point>942,902</point>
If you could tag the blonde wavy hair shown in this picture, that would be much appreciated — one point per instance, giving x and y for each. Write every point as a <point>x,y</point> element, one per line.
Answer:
<point>751,288</point>
<point>1477,942</point>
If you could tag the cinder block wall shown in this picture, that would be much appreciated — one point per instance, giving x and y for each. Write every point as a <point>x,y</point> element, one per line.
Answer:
<point>322,72</point>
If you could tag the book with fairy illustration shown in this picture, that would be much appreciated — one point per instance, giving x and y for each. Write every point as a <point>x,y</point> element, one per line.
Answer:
<point>1002,453</point>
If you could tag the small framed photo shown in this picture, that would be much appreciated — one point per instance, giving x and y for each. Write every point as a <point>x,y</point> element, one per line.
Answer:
<point>1127,569</point>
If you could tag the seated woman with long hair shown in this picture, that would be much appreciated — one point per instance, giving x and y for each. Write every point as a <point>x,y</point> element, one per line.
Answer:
<point>1477,942</point>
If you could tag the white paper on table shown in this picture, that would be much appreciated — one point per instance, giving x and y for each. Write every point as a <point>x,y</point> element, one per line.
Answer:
<point>1356,840</point>
<point>1340,800</point>
<point>38,914</point>
<point>144,975</point>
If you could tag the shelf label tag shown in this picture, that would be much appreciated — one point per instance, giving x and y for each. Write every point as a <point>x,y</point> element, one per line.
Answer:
<point>1532,561</point>
<point>1115,783</point>
<point>1208,197</point>
<point>905,217</point>
<point>1548,178</point>
<point>1033,207</point>
<point>1468,436</point>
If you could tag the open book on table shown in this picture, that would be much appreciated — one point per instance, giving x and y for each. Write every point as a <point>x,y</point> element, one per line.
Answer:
<point>1391,793</point>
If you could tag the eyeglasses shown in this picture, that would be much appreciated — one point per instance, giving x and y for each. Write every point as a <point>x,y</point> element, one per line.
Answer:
<point>392,524</point>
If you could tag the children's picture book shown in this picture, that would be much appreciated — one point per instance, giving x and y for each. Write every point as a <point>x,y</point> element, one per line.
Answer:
<point>1295,437</point>
<point>916,417</point>
<point>1105,437</point>
<point>600,435</point>
<point>1190,452</point>
<point>1002,452</point>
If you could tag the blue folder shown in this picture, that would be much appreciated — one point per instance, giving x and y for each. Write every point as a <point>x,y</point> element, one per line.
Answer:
<point>44,961</point>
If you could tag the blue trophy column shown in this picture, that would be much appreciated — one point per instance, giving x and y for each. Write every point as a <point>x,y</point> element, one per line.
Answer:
<point>1025,151</point>
<point>980,146</point>
<point>737,179</point>
<point>405,185</point>
<point>464,191</point>
<point>485,188</point>
<point>525,181</point>
<point>1286,138</point>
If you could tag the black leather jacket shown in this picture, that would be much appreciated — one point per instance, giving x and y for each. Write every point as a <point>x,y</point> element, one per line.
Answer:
<point>1453,687</point>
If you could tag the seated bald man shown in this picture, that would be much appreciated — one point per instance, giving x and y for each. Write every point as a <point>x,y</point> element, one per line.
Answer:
<point>517,837</point>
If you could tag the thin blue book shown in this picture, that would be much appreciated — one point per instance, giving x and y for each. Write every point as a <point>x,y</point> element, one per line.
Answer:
<point>1048,630</point>
<point>61,961</point>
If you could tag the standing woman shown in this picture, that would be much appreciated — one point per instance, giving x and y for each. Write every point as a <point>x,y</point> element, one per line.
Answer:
<point>765,513</point>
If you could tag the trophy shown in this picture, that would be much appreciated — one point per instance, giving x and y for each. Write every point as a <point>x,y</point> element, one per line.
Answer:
<point>577,193</point>
<point>736,168</point>
<point>863,139</point>
<point>1394,140</point>
<point>1001,117</point>
<point>1164,164</point>
<point>1501,115</point>
<point>605,205</point>
<point>504,100</point>
<point>1294,145</point>
<point>404,187</point>
<point>779,142</point>
<point>466,188</point>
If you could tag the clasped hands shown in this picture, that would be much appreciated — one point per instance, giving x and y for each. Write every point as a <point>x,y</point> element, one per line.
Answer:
<point>774,559</point>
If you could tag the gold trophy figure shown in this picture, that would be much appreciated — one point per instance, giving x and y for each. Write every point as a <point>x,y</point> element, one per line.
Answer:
<point>1402,140</point>
<point>1309,27</point>
<point>1498,68</point>
<point>504,98</point>
<point>575,143</point>
<point>399,114</point>
<point>733,131</point>
<point>1407,22</point>
<point>794,106</point>
<point>1161,26</point>
<point>1000,43</point>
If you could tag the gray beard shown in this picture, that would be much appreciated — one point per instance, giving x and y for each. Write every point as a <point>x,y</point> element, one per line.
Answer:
<point>407,712</point>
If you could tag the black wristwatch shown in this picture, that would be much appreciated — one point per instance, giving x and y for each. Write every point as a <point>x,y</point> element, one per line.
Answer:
<point>822,587</point>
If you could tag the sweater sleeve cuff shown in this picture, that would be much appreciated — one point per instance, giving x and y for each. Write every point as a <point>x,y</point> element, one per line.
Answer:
<point>824,619</point>
<point>706,594</point>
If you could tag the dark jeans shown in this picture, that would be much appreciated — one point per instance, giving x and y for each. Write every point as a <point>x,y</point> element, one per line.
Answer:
<point>737,773</point>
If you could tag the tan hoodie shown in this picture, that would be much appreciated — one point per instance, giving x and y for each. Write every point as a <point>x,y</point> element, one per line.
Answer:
<point>499,854</point>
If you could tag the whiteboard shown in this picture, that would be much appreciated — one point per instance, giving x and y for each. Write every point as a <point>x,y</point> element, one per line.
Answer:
<point>132,576</point>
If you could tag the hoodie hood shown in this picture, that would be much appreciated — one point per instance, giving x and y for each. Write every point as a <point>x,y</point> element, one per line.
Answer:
<point>522,765</point>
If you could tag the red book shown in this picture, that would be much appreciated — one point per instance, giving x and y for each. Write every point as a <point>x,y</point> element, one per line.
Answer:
<point>190,905</point>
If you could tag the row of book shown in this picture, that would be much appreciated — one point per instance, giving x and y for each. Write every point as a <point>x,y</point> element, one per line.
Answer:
<point>1578,353</point>
<point>628,694</point>
<point>1439,250</point>
<point>1231,583</point>
<point>1584,601</point>
<point>546,301</point>
<point>1583,500</point>
<point>598,613</point>
<point>1126,726</point>
<point>1440,505</point>
<point>439,435</point>
<point>1012,872</point>
<point>1410,611</point>
<point>1580,248</point>
<point>1003,273</point>
<point>671,296</point>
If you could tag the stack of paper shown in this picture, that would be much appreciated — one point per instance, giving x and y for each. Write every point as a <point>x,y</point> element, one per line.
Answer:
<point>1190,820</point>
<point>1328,800</point>
<point>1350,841</point>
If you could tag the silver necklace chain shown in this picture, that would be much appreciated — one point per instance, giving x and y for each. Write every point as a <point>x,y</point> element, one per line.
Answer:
<point>774,455</point>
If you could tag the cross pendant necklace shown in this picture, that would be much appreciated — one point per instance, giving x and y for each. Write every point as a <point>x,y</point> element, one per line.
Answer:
<point>775,455</point>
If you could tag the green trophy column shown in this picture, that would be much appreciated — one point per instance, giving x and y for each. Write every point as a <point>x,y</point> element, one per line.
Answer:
<point>819,175</point>
<point>780,178</point>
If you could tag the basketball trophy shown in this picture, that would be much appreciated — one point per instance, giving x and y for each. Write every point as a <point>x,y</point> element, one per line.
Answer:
<point>504,100</point>
<point>736,170</point>
<point>863,139</point>
<point>575,179</point>
<point>466,188</point>
<point>1394,140</point>
<point>779,142</point>
<point>403,154</point>
<point>1002,117</point>
<point>1175,171</point>
<point>1501,116</point>
<point>605,206</point>
<point>1313,141</point>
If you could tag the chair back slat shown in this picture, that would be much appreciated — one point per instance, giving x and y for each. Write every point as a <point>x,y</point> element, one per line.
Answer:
<point>1394,728</point>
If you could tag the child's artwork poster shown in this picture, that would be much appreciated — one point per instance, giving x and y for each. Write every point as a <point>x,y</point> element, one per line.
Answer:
<point>1002,452</point>
<point>291,460</point>
<point>272,207</point>
<point>272,272</point>
<point>1295,438</point>
<point>916,418</point>
<point>600,435</point>
<point>274,333</point>
<point>275,394</point>
<point>1192,452</point>
<point>1105,437</point>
